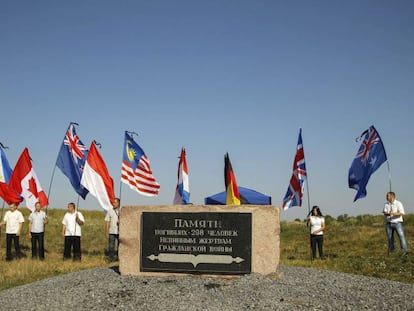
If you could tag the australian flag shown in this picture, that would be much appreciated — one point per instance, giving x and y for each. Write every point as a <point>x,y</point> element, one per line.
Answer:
<point>371,154</point>
<point>294,193</point>
<point>71,159</point>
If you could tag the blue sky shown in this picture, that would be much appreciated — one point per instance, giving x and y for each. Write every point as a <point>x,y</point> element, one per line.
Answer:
<point>213,76</point>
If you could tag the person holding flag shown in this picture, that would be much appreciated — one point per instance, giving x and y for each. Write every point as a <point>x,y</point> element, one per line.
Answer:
<point>393,212</point>
<point>112,229</point>
<point>72,232</point>
<point>316,222</point>
<point>13,219</point>
<point>37,221</point>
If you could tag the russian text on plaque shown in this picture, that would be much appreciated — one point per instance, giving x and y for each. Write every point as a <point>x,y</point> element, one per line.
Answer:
<point>215,243</point>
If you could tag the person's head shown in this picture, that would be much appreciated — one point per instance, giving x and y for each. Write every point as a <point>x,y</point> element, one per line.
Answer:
<point>116,203</point>
<point>38,206</point>
<point>316,211</point>
<point>13,206</point>
<point>390,196</point>
<point>71,207</point>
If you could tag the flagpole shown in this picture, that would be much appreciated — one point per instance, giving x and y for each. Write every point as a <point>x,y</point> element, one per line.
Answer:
<point>307,193</point>
<point>389,174</point>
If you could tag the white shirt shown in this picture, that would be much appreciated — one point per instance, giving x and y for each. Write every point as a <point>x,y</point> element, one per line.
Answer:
<point>37,219</point>
<point>13,219</point>
<point>112,217</point>
<point>72,227</point>
<point>316,223</point>
<point>394,207</point>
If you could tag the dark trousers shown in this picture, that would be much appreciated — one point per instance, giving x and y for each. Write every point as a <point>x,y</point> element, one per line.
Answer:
<point>72,243</point>
<point>316,240</point>
<point>111,246</point>
<point>15,239</point>
<point>38,249</point>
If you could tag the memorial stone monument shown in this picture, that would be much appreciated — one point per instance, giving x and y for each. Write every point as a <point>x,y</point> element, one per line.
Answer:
<point>189,239</point>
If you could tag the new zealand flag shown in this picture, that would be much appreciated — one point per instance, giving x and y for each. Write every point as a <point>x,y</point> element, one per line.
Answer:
<point>71,159</point>
<point>371,154</point>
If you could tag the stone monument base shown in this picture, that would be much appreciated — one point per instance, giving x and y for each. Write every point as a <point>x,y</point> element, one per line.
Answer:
<point>264,243</point>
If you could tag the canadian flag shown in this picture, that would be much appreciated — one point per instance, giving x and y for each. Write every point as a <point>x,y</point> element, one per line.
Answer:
<point>23,181</point>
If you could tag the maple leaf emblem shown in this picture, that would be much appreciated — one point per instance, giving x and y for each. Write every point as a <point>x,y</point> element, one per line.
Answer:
<point>33,187</point>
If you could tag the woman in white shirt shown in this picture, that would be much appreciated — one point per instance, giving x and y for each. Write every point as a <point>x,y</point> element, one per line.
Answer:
<point>317,225</point>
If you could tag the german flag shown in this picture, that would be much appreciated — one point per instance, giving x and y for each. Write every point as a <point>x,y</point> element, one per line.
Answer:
<point>232,192</point>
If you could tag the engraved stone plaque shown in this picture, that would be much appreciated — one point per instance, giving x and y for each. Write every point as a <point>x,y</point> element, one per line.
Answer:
<point>196,242</point>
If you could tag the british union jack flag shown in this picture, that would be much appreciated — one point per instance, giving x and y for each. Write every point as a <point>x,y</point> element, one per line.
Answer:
<point>71,159</point>
<point>371,154</point>
<point>294,193</point>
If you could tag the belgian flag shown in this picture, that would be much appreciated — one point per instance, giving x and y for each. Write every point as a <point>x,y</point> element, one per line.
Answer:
<point>232,192</point>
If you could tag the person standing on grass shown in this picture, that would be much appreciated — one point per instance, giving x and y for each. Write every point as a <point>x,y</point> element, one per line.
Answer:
<point>393,212</point>
<point>71,232</point>
<point>317,225</point>
<point>13,219</point>
<point>37,221</point>
<point>112,229</point>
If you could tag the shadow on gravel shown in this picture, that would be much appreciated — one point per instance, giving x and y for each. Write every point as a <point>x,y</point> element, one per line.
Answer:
<point>115,269</point>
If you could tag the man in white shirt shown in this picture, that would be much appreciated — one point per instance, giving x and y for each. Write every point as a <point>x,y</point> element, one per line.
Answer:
<point>112,229</point>
<point>36,232</point>
<point>72,232</point>
<point>13,219</point>
<point>393,212</point>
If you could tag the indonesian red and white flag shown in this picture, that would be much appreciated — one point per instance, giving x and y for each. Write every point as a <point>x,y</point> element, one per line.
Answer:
<point>24,181</point>
<point>96,178</point>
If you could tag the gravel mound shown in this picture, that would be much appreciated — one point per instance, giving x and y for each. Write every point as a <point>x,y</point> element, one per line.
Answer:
<point>292,288</point>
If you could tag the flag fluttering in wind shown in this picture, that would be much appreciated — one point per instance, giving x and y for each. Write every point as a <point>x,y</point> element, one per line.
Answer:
<point>232,191</point>
<point>371,154</point>
<point>71,159</point>
<point>24,181</point>
<point>97,180</point>
<point>5,173</point>
<point>294,193</point>
<point>182,192</point>
<point>136,170</point>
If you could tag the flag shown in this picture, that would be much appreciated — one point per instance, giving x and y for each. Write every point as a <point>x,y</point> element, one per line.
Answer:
<point>24,181</point>
<point>371,154</point>
<point>232,191</point>
<point>71,159</point>
<point>5,172</point>
<point>182,192</point>
<point>294,193</point>
<point>136,170</point>
<point>97,180</point>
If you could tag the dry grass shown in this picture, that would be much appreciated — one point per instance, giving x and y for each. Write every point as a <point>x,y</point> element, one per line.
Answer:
<point>26,270</point>
<point>355,245</point>
<point>352,244</point>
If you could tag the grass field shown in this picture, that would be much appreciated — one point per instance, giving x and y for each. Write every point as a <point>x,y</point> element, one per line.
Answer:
<point>352,244</point>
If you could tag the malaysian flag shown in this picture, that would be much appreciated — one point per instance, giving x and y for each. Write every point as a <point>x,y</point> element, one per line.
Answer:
<point>371,154</point>
<point>71,159</point>
<point>182,191</point>
<point>136,170</point>
<point>294,193</point>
